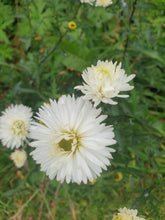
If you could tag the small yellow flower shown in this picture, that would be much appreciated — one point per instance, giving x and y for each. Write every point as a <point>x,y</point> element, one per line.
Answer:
<point>118,176</point>
<point>72,25</point>
<point>37,38</point>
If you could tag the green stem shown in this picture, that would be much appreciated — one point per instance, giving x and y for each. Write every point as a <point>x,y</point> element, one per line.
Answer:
<point>42,202</point>
<point>11,66</point>
<point>129,25</point>
<point>26,203</point>
<point>55,198</point>
<point>72,207</point>
<point>52,51</point>
<point>47,205</point>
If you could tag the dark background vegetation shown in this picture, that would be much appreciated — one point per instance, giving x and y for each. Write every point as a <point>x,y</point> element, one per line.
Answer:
<point>41,58</point>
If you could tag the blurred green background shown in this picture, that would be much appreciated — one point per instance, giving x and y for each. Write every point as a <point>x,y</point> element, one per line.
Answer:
<point>42,58</point>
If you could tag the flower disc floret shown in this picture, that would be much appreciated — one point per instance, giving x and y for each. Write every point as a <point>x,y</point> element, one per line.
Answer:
<point>18,127</point>
<point>14,125</point>
<point>71,143</point>
<point>104,82</point>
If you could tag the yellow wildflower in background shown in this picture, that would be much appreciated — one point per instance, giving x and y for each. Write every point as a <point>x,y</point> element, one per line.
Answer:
<point>37,38</point>
<point>72,25</point>
<point>118,176</point>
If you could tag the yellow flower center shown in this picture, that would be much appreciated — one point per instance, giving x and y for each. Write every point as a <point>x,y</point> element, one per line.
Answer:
<point>103,70</point>
<point>103,73</point>
<point>72,25</point>
<point>66,145</point>
<point>18,127</point>
<point>69,142</point>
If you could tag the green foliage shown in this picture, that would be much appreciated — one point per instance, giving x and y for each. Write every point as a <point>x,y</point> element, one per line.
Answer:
<point>41,58</point>
<point>35,18</point>
<point>6,20</point>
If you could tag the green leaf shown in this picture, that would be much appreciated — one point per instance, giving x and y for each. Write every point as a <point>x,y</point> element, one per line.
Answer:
<point>152,54</point>
<point>76,56</point>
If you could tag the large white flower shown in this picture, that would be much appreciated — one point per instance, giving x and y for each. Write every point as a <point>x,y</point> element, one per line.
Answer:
<point>14,125</point>
<point>103,3</point>
<point>87,1</point>
<point>104,82</point>
<point>127,214</point>
<point>70,140</point>
<point>19,157</point>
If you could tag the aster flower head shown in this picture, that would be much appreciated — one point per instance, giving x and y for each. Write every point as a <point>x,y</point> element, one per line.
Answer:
<point>104,82</point>
<point>127,214</point>
<point>103,3</point>
<point>71,143</point>
<point>19,157</point>
<point>14,125</point>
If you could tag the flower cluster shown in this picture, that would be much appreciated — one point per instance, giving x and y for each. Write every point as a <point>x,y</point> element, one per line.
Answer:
<point>70,139</point>
<point>127,214</point>
<point>71,142</point>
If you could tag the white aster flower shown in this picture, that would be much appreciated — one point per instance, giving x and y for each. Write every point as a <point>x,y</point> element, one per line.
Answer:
<point>14,125</point>
<point>19,157</point>
<point>103,3</point>
<point>70,140</point>
<point>104,82</point>
<point>127,214</point>
<point>87,1</point>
